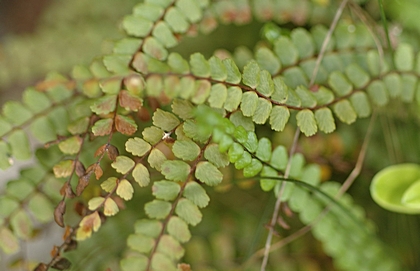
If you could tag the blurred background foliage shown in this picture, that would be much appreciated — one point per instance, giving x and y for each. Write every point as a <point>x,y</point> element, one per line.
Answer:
<point>54,35</point>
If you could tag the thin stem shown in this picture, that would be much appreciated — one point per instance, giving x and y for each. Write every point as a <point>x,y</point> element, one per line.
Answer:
<point>278,203</point>
<point>327,40</point>
<point>384,22</point>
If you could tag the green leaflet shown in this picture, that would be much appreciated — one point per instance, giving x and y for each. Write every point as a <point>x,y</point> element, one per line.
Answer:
<point>408,87</point>
<point>179,229</point>
<point>251,74</point>
<point>218,95</point>
<point>141,175</point>
<point>393,84</point>
<point>294,77</point>
<point>169,246</point>
<point>267,60</point>
<point>19,144</point>
<point>199,65</point>
<point>35,100</point>
<point>249,103</point>
<point>306,97</point>
<point>253,168</point>
<point>262,111</point>
<point>140,243</point>
<point>163,34</point>
<point>279,117</point>
<point>238,119</point>
<point>175,170</point>
<point>188,211</point>
<point>202,91</point>
<point>176,20</point>
<point>345,111</point>
<point>5,126</point>
<point>154,48</point>
<point>286,51</point>
<point>21,225</point>
<point>186,150</point>
<point>8,241</point>
<point>325,120</point>
<point>404,57</point>
<point>339,83</point>
<point>217,158</point>
<point>266,84</point>
<point>151,228</point>
<point>161,262</point>
<point>123,164</point>
<point>233,73</point>
<point>217,69</point>
<point>190,10</point>
<point>196,194</point>
<point>16,113</point>
<point>377,92</point>
<point>157,209</point>
<point>208,173</point>
<point>117,63</point>
<point>304,42</point>
<point>165,190</point>
<point>357,76</point>
<point>183,108</point>
<point>306,122</point>
<point>279,158</point>
<point>233,98</point>
<point>152,134</point>
<point>178,64</point>
<point>137,146</point>
<point>137,26</point>
<point>165,120</point>
<point>102,127</point>
<point>71,145</point>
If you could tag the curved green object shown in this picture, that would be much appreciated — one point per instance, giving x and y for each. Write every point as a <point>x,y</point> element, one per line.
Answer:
<point>397,188</point>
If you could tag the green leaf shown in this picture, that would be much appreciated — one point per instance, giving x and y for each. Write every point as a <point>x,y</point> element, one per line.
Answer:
<point>411,196</point>
<point>141,175</point>
<point>16,113</point>
<point>409,83</point>
<point>286,51</point>
<point>123,164</point>
<point>218,95</point>
<point>163,34</point>
<point>166,190</point>
<point>306,122</point>
<point>217,69</point>
<point>213,155</point>
<point>175,170</point>
<point>165,120</point>
<point>134,263</point>
<point>137,26</point>
<point>156,159</point>
<point>325,120</point>
<point>199,65</point>
<point>71,145</point>
<point>153,134</point>
<point>154,48</point>
<point>157,209</point>
<point>267,60</point>
<point>404,57</point>
<point>178,229</point>
<point>266,84</point>
<point>339,83</point>
<point>305,96</point>
<point>253,168</point>
<point>249,103</point>
<point>279,158</point>
<point>35,100</point>
<point>251,74</point>
<point>361,104</point>
<point>151,10</point>
<point>279,117</point>
<point>262,112</point>
<point>126,46</point>
<point>78,126</point>
<point>268,184</point>
<point>60,119</point>
<point>186,150</point>
<point>104,105</point>
<point>140,243</point>
<point>8,205</point>
<point>20,189</point>
<point>238,119</point>
<point>188,211</point>
<point>110,86</point>
<point>233,99</point>
<point>41,208</point>
<point>151,228</point>
<point>95,202</point>
<point>281,92</point>
<point>243,161</point>
<point>177,63</point>
<point>263,151</point>
<point>304,43</point>
<point>393,84</point>
<point>117,63</point>
<point>137,146</point>
<point>154,85</point>
<point>196,194</point>
<point>8,241</point>
<point>345,111</point>
<point>183,108</point>
<point>357,76</point>
<point>377,92</point>
<point>176,20</point>
<point>19,143</point>
<point>21,225</point>
<point>125,190</point>
<point>389,186</point>
<point>201,91</point>
<point>109,184</point>
<point>161,262</point>
<point>190,10</point>
<point>171,247</point>
<point>90,223</point>
<point>235,152</point>
<point>293,78</point>
<point>233,73</point>
<point>323,95</point>
<point>208,173</point>
<point>110,207</point>
<point>5,126</point>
